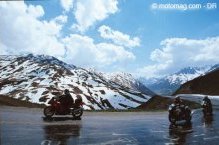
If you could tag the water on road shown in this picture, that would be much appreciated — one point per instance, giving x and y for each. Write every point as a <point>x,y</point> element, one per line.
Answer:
<point>22,126</point>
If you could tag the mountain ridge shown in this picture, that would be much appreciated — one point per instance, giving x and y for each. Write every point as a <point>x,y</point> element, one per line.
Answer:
<point>37,78</point>
<point>168,84</point>
<point>206,84</point>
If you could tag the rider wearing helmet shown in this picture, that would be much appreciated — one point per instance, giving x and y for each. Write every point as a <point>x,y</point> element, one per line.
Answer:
<point>177,100</point>
<point>206,99</point>
<point>66,100</point>
<point>179,111</point>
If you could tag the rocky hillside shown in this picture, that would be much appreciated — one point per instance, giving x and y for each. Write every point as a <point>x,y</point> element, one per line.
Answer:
<point>206,84</point>
<point>162,103</point>
<point>38,78</point>
<point>128,81</point>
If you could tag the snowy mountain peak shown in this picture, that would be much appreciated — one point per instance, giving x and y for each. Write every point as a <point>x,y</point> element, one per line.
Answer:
<point>121,78</point>
<point>37,78</point>
<point>170,83</point>
<point>46,59</point>
<point>194,70</point>
<point>214,67</point>
<point>128,81</point>
<point>187,74</point>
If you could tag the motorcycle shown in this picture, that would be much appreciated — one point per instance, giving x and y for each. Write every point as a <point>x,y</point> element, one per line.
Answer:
<point>179,114</point>
<point>207,108</point>
<point>54,108</point>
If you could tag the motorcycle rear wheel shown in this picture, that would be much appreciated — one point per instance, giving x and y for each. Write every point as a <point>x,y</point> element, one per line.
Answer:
<point>77,114</point>
<point>48,111</point>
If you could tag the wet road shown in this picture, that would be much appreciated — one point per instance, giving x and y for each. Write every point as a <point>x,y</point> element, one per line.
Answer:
<point>22,126</point>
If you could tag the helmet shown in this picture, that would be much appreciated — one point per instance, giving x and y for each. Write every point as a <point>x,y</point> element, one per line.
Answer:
<point>205,97</point>
<point>177,99</point>
<point>78,97</point>
<point>66,91</point>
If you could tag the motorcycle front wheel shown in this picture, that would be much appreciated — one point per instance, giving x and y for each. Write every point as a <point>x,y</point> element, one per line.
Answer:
<point>48,111</point>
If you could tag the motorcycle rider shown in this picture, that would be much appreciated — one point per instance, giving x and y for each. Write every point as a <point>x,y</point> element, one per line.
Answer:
<point>63,105</point>
<point>178,101</point>
<point>66,100</point>
<point>179,111</point>
<point>208,101</point>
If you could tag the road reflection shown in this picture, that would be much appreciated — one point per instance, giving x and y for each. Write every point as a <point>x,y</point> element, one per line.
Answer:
<point>57,119</point>
<point>207,121</point>
<point>61,134</point>
<point>178,134</point>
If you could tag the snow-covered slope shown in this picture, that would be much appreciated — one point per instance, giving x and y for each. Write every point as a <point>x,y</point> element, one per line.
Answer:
<point>38,78</point>
<point>128,81</point>
<point>170,83</point>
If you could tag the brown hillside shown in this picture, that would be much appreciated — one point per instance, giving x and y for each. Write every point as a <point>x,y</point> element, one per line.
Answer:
<point>162,103</point>
<point>207,84</point>
<point>9,101</point>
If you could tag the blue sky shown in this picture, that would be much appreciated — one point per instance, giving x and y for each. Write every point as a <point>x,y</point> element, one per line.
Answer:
<point>111,35</point>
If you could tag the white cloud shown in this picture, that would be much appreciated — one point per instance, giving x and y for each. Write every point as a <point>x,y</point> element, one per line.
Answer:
<point>35,11</point>
<point>177,53</point>
<point>3,50</point>
<point>82,50</point>
<point>151,70</point>
<point>67,4</point>
<point>23,32</point>
<point>88,12</point>
<point>118,37</point>
<point>62,19</point>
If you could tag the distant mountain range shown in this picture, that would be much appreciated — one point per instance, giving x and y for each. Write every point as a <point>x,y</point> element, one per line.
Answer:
<point>128,81</point>
<point>169,84</point>
<point>207,84</point>
<point>37,78</point>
